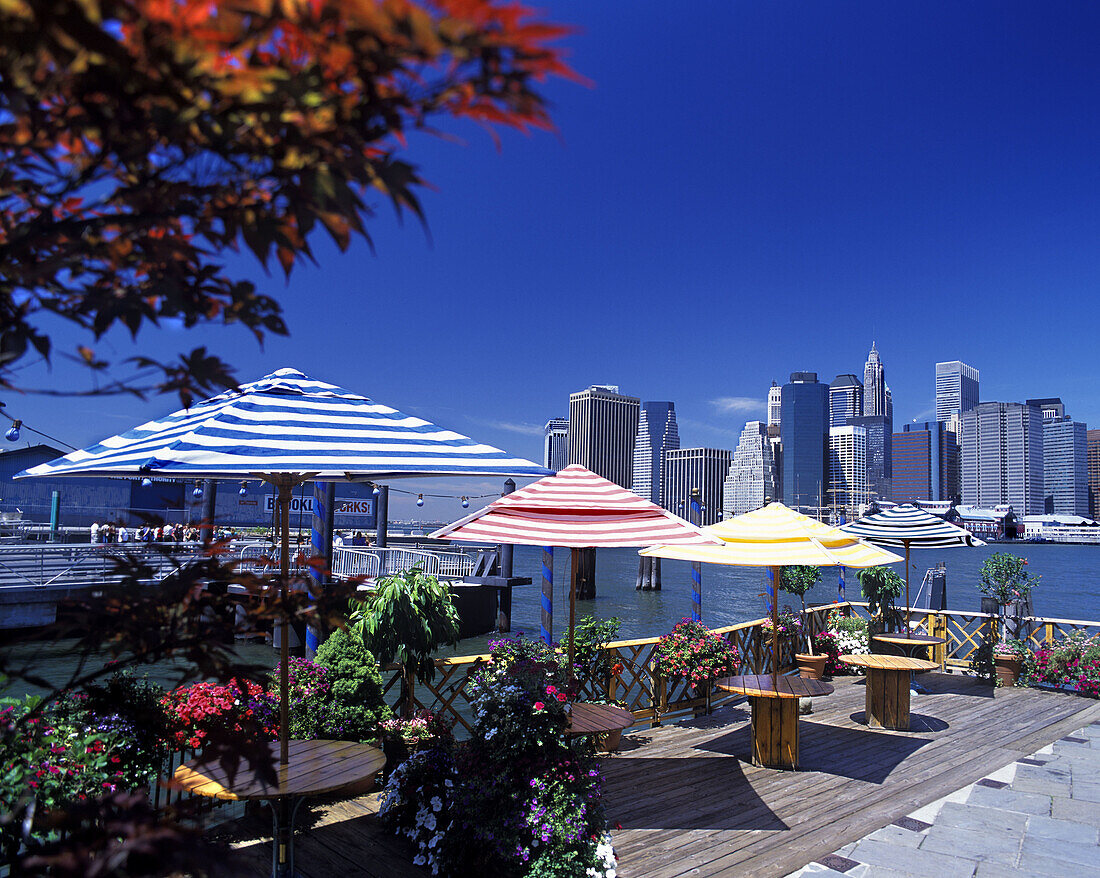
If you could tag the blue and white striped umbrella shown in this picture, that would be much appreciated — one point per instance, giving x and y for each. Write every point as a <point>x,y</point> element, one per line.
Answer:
<point>292,424</point>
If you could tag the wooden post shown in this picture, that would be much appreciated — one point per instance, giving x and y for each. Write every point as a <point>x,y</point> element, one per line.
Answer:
<point>774,732</point>
<point>575,553</point>
<point>382,516</point>
<point>283,506</point>
<point>696,567</point>
<point>548,595</point>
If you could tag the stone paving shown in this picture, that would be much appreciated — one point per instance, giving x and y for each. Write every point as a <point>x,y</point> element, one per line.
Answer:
<point>1038,817</point>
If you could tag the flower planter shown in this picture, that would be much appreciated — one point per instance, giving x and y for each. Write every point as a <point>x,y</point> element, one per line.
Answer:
<point>608,742</point>
<point>1008,669</point>
<point>811,667</point>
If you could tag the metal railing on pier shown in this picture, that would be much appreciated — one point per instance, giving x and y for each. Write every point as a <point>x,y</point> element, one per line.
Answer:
<point>371,562</point>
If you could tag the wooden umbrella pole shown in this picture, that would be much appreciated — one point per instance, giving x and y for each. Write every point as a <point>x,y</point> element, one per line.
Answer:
<point>284,626</point>
<point>576,555</point>
<point>775,626</point>
<point>908,627</point>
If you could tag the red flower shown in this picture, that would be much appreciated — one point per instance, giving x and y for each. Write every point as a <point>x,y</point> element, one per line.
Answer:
<point>539,705</point>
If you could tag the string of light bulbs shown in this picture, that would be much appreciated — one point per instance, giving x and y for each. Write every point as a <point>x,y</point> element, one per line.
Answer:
<point>13,432</point>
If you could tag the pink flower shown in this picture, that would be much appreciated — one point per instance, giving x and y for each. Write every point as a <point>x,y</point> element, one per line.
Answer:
<point>561,696</point>
<point>539,705</point>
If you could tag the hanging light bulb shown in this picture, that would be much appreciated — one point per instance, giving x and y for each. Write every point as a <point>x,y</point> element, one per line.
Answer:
<point>197,493</point>
<point>244,489</point>
<point>465,503</point>
<point>146,482</point>
<point>13,431</point>
<point>376,491</point>
<point>419,499</point>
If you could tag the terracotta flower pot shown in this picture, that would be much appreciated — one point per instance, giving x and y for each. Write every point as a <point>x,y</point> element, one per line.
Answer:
<point>811,667</point>
<point>1008,669</point>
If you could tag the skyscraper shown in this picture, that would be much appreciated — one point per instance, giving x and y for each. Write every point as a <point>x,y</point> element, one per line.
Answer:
<point>555,447</point>
<point>657,435</point>
<point>874,385</point>
<point>848,469</point>
<point>923,455</point>
<point>1093,460</point>
<point>775,402</point>
<point>603,425</point>
<point>1052,408</point>
<point>1002,456</point>
<point>845,399</point>
<point>880,434</point>
<point>804,431</point>
<point>690,468</point>
<point>956,389</point>
<point>751,479</point>
<point>1065,467</point>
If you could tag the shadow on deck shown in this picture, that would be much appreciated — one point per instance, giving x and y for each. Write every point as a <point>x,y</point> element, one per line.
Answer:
<point>689,802</point>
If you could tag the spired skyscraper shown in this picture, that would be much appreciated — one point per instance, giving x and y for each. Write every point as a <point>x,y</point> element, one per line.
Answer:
<point>804,431</point>
<point>555,447</point>
<point>874,385</point>
<point>751,479</point>
<point>603,425</point>
<point>657,435</point>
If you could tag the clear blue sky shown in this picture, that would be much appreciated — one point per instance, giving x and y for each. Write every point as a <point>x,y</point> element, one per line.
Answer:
<point>748,189</point>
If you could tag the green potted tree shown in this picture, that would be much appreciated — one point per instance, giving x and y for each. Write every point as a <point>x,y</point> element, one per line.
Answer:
<point>406,619</point>
<point>798,580</point>
<point>880,586</point>
<point>1004,579</point>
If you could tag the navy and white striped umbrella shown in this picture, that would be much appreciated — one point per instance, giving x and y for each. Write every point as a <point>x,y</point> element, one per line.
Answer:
<point>287,429</point>
<point>907,526</point>
<point>289,423</point>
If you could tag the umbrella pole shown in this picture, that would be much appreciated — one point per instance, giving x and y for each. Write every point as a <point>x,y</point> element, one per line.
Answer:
<point>908,627</point>
<point>774,595</point>
<point>576,556</point>
<point>284,626</point>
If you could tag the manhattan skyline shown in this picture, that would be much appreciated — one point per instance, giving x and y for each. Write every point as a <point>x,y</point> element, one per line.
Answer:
<point>742,193</point>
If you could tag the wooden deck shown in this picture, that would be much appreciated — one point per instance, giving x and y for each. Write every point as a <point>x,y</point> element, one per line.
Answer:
<point>689,802</point>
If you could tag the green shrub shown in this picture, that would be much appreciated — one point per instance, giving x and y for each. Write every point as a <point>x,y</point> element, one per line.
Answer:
<point>591,636</point>
<point>355,703</point>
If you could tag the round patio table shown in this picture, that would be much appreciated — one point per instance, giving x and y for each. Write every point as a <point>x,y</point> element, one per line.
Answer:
<point>314,768</point>
<point>887,696</point>
<point>909,644</point>
<point>774,704</point>
<point>595,719</point>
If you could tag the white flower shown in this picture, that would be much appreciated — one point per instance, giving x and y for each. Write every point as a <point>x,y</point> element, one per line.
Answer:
<point>447,783</point>
<point>430,823</point>
<point>437,803</point>
<point>420,860</point>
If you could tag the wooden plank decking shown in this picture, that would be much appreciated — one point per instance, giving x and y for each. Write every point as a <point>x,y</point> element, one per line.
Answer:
<point>689,802</point>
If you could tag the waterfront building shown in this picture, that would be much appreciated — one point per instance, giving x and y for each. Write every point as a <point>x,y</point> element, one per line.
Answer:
<point>1093,461</point>
<point>845,399</point>
<point>956,389</point>
<point>848,489</point>
<point>775,404</point>
<point>751,479</point>
<point>1065,467</point>
<point>922,458</point>
<point>603,425</point>
<point>555,449</point>
<point>687,469</point>
<point>804,432</point>
<point>1002,456</point>
<point>874,385</point>
<point>880,434</point>
<point>657,435</point>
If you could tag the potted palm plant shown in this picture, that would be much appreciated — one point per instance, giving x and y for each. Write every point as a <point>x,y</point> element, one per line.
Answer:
<point>880,586</point>
<point>798,580</point>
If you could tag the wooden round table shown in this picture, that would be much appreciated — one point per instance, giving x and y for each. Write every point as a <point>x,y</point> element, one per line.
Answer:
<point>596,719</point>
<point>314,768</point>
<point>774,704</point>
<point>887,696</point>
<point>909,644</point>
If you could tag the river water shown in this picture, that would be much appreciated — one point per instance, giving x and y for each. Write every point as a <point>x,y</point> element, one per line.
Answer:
<point>1069,589</point>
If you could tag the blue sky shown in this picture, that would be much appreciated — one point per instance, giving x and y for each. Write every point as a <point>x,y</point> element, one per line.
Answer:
<point>747,189</point>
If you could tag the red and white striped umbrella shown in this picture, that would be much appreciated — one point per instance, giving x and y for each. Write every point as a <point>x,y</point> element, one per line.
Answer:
<point>575,509</point>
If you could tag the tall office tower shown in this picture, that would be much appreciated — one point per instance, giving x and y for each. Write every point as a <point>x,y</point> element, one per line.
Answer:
<point>1052,408</point>
<point>702,468</point>
<point>657,435</point>
<point>804,432</point>
<point>1093,457</point>
<point>956,389</point>
<point>555,447</point>
<point>1065,467</point>
<point>602,427</point>
<point>848,470</point>
<point>750,481</point>
<point>1002,456</point>
<point>874,385</point>
<point>775,402</point>
<point>880,434</point>
<point>889,406</point>
<point>923,456</point>
<point>845,399</point>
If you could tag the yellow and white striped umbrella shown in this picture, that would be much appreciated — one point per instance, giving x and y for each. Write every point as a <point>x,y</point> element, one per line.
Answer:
<point>776,536</point>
